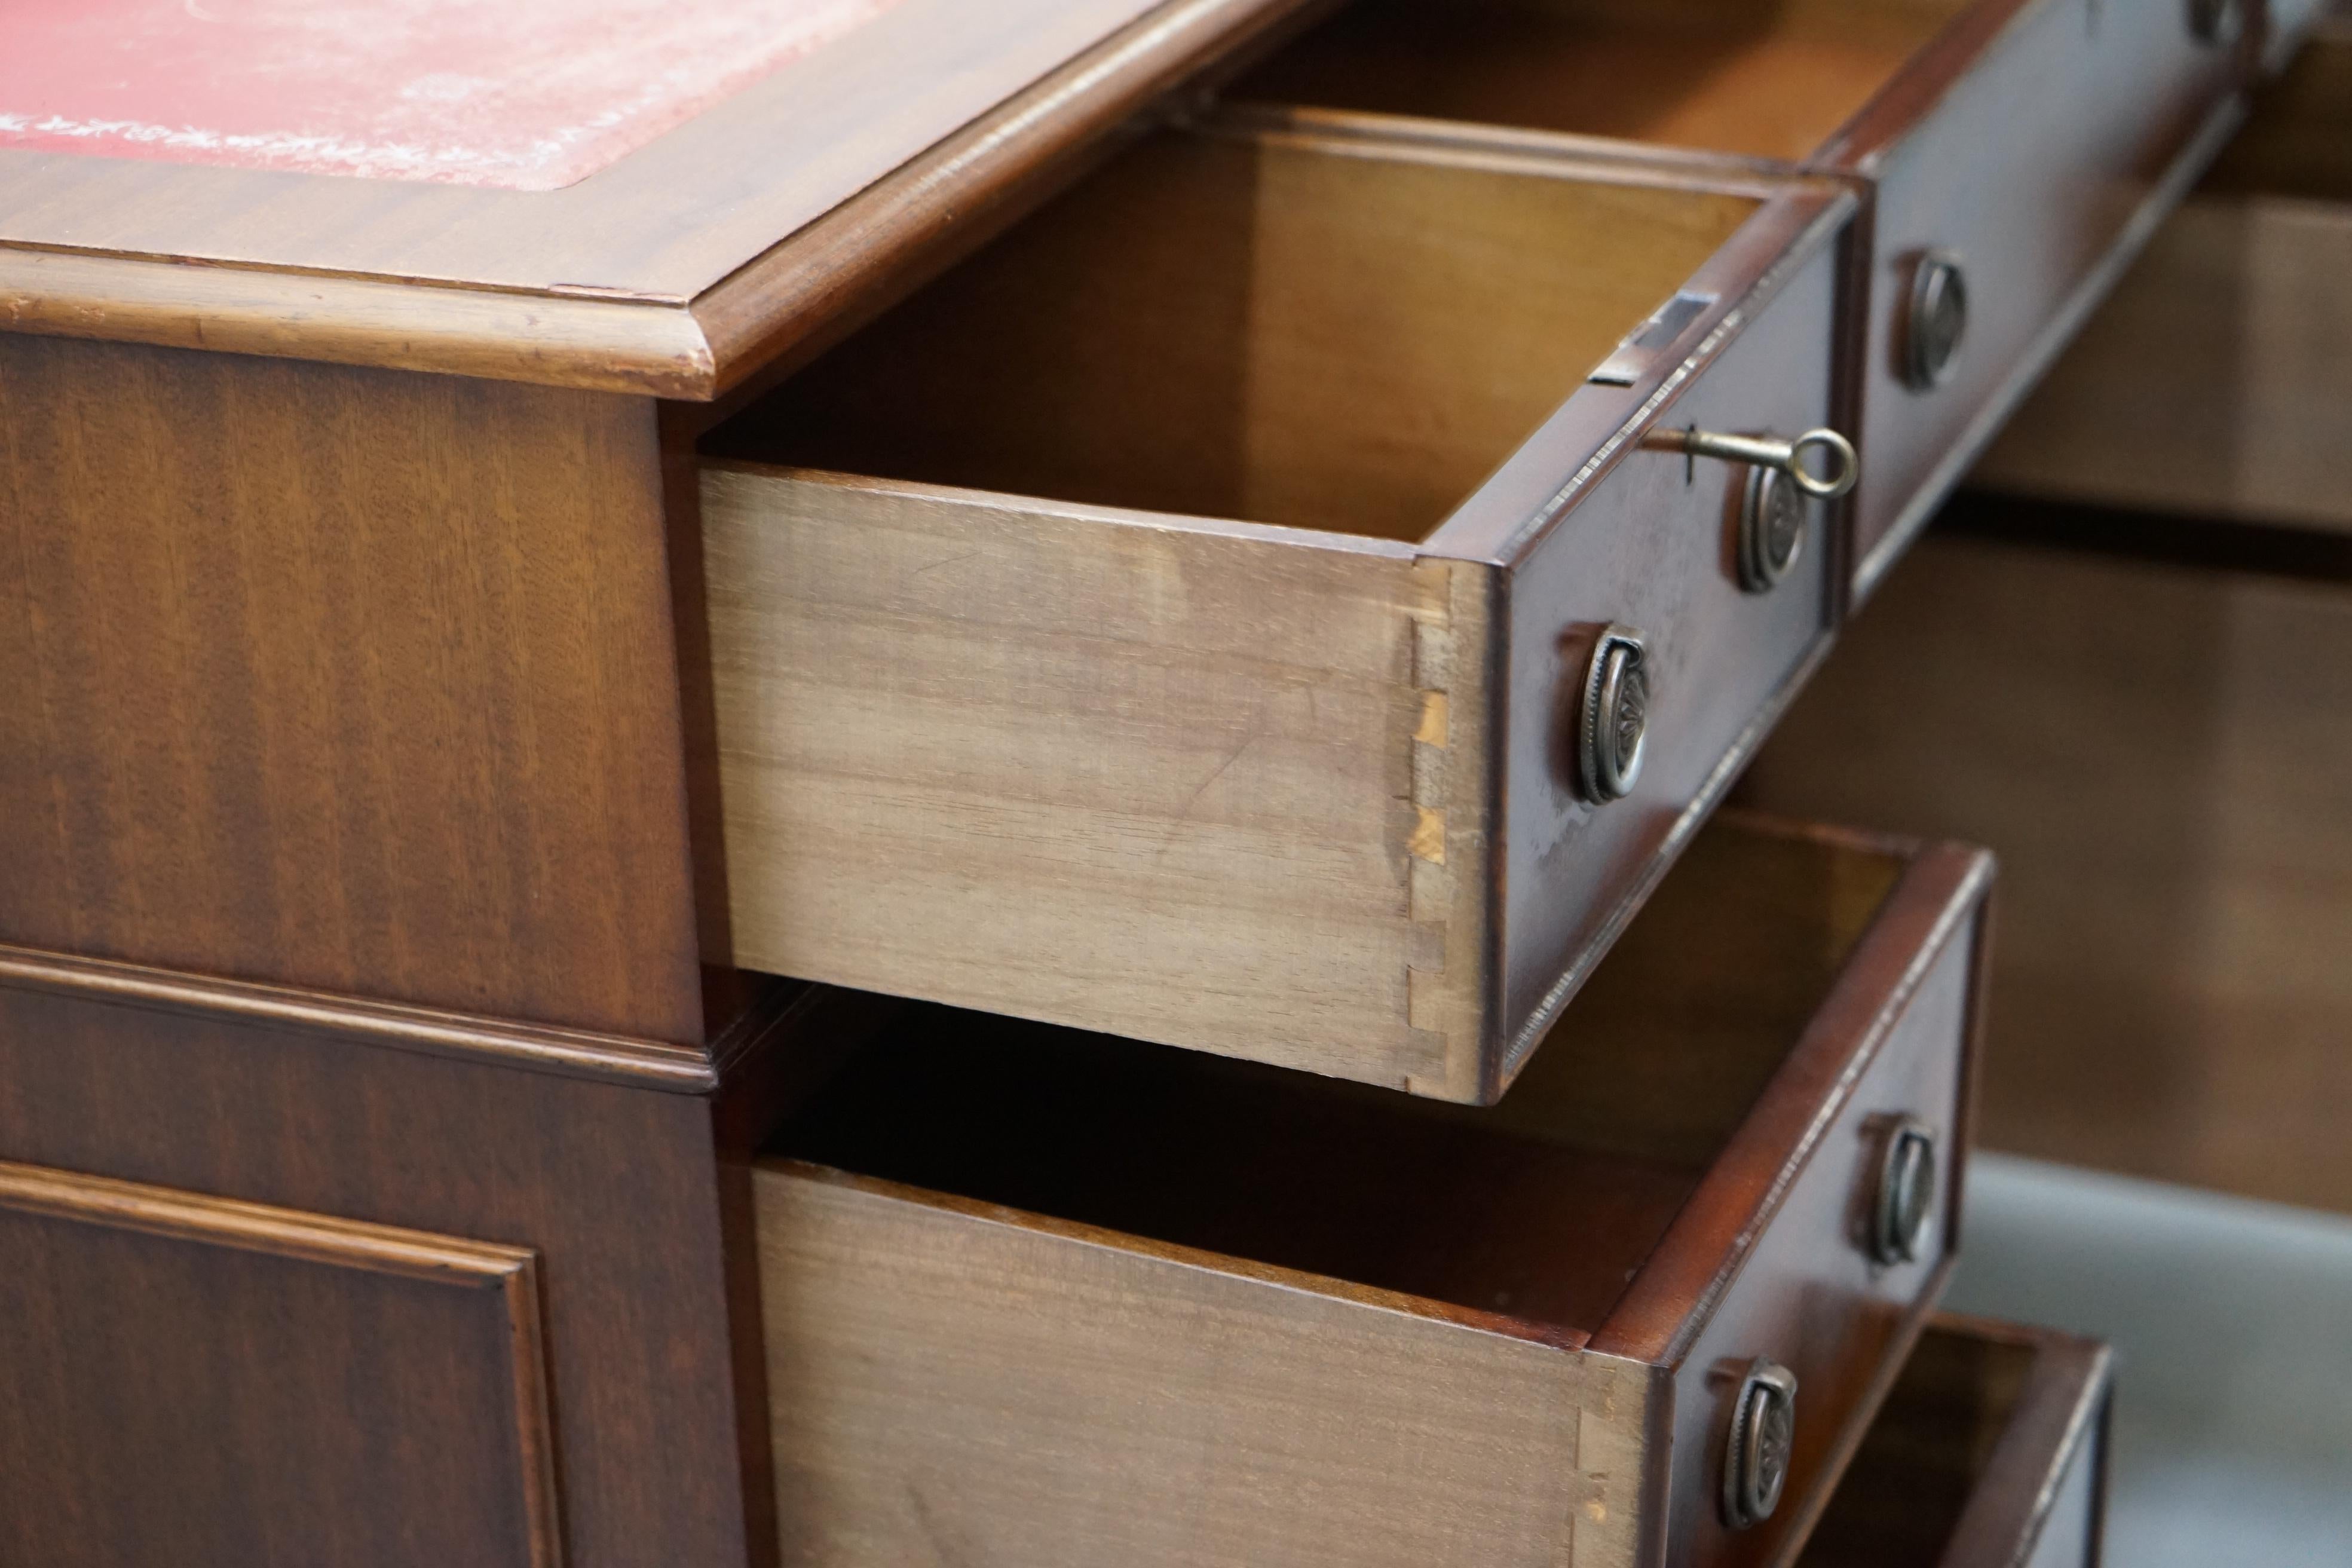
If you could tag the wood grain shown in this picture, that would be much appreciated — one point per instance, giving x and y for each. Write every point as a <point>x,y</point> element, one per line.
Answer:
<point>2218,380</point>
<point>132,1429</point>
<point>342,678</point>
<point>1035,1314</point>
<point>1135,774</point>
<point>2157,754</point>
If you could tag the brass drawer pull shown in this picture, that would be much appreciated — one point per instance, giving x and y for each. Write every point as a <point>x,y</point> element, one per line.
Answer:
<point>1770,452</point>
<point>1905,1199</point>
<point>1763,1430</point>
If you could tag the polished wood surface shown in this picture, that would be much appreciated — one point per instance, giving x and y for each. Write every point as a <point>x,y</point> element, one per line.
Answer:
<point>2157,750</point>
<point>1157,1306</point>
<point>2218,380</point>
<point>1989,1453</point>
<point>674,271</point>
<point>1191,490</point>
<point>431,1344</point>
<point>351,679</point>
<point>311,1380</point>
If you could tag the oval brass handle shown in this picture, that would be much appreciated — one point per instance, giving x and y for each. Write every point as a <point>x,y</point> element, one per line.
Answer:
<point>1763,1431</point>
<point>1906,1198</point>
<point>1770,452</point>
<point>1613,717</point>
<point>1934,320</point>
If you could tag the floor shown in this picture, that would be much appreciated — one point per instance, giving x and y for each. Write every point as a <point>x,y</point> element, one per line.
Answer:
<point>2232,1325</point>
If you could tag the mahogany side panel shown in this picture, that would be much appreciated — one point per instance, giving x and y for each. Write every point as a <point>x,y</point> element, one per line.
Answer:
<point>625,1195</point>
<point>345,679</point>
<point>224,1423</point>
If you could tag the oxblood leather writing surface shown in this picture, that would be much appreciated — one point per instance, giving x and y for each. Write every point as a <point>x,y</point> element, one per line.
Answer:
<point>528,95</point>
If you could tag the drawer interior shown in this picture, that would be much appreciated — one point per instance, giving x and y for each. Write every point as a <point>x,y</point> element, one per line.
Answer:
<point>1275,329</point>
<point>1539,1210</point>
<point>1732,75</point>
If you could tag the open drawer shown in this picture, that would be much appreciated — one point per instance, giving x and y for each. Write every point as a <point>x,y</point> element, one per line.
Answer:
<point>1034,1296</point>
<point>1989,1453</point>
<point>2020,150</point>
<point>1239,609</point>
<point>2217,382</point>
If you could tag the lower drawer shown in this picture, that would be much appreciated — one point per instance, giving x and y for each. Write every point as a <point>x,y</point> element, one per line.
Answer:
<point>1990,1453</point>
<point>1036,1296</point>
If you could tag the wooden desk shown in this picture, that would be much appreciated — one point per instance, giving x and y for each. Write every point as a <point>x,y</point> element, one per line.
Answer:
<point>479,609</point>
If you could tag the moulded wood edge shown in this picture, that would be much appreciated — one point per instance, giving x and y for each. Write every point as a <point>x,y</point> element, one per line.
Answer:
<point>430,1257</point>
<point>600,343</point>
<point>671,1067</point>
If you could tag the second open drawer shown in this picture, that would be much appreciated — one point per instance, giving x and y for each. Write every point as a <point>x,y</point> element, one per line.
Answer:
<point>2018,151</point>
<point>1040,1298</point>
<point>1239,609</point>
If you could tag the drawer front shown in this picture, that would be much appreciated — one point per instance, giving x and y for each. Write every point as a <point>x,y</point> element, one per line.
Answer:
<point>1991,1452</point>
<point>1309,1323</point>
<point>1812,1297</point>
<point>2035,172</point>
<point>1653,548</point>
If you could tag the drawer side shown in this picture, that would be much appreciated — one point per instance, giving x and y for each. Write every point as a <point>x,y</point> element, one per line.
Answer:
<point>969,1385</point>
<point>1214,785</point>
